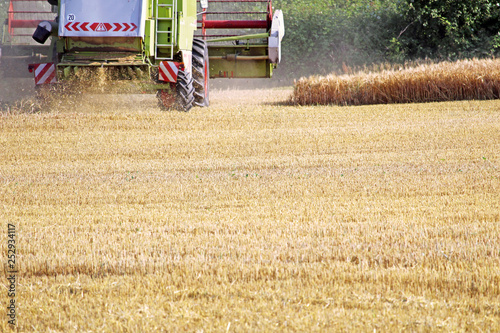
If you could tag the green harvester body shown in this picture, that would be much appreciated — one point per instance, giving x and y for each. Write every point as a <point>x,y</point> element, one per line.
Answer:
<point>139,38</point>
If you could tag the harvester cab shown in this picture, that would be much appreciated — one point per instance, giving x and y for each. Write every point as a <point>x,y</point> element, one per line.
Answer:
<point>171,47</point>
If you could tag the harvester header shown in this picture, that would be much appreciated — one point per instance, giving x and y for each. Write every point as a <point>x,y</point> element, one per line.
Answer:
<point>179,44</point>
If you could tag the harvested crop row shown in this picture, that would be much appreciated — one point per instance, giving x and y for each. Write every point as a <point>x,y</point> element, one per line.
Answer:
<point>445,81</point>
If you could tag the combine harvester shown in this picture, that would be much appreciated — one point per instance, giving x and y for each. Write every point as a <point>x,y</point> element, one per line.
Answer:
<point>17,48</point>
<point>179,44</point>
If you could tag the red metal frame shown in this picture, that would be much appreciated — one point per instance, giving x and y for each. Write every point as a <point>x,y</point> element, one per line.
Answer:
<point>236,24</point>
<point>233,24</point>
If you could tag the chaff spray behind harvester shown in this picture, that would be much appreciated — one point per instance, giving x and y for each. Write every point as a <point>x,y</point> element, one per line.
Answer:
<point>179,44</point>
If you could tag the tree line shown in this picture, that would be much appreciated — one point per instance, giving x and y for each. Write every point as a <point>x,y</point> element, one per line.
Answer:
<point>324,36</point>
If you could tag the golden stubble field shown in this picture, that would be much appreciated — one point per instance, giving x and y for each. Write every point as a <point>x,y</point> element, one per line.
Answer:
<point>252,216</point>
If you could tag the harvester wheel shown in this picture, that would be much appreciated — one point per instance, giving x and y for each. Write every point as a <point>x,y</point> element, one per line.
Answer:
<point>185,91</point>
<point>182,99</point>
<point>200,73</point>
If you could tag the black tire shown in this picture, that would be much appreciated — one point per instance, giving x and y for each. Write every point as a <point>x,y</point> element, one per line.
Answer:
<point>185,91</point>
<point>201,73</point>
<point>183,97</point>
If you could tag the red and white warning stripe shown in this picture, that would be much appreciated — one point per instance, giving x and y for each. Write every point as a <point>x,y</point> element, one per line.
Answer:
<point>168,71</point>
<point>100,26</point>
<point>44,73</point>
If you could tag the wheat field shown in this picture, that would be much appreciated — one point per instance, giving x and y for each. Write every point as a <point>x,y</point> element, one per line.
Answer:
<point>474,79</point>
<point>252,215</point>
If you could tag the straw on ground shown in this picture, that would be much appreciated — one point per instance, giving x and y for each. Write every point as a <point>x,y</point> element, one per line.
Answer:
<point>251,216</point>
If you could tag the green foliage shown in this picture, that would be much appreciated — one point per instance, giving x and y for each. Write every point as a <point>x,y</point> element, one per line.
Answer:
<point>328,36</point>
<point>325,36</point>
<point>451,29</point>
